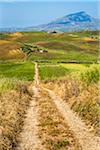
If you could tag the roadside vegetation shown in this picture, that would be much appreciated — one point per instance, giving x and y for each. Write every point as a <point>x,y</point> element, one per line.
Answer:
<point>12,111</point>
<point>14,100</point>
<point>55,71</point>
<point>91,75</point>
<point>80,90</point>
<point>7,84</point>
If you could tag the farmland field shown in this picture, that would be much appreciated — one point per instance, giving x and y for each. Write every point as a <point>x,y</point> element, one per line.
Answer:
<point>20,70</point>
<point>57,71</point>
<point>78,46</point>
<point>52,72</point>
<point>45,80</point>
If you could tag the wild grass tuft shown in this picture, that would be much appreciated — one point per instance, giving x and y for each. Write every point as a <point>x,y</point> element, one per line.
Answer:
<point>91,75</point>
<point>81,93</point>
<point>7,84</point>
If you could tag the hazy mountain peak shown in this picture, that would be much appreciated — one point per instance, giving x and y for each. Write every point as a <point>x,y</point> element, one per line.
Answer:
<point>74,22</point>
<point>78,17</point>
<point>80,12</point>
<point>77,13</point>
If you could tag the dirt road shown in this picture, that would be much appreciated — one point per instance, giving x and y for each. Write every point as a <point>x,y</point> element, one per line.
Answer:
<point>50,124</point>
<point>28,138</point>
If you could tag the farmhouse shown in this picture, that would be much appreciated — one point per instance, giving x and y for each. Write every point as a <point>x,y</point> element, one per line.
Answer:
<point>52,32</point>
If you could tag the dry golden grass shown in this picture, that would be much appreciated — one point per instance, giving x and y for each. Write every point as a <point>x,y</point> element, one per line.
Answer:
<point>14,53</point>
<point>43,43</point>
<point>87,106</point>
<point>65,87</point>
<point>15,35</point>
<point>12,110</point>
<point>82,99</point>
<point>53,131</point>
<point>87,39</point>
<point>3,42</point>
<point>10,50</point>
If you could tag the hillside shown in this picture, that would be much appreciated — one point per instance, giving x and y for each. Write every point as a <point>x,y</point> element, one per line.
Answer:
<point>77,46</point>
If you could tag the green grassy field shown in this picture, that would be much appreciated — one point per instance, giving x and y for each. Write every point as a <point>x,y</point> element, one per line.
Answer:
<point>19,70</point>
<point>56,71</point>
<point>52,72</point>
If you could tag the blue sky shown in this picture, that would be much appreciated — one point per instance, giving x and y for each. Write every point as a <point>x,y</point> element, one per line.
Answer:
<point>23,13</point>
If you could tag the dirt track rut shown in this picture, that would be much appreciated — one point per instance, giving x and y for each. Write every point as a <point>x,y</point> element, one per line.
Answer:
<point>28,138</point>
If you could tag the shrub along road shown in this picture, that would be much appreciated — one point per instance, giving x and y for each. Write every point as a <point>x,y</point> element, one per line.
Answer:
<point>50,124</point>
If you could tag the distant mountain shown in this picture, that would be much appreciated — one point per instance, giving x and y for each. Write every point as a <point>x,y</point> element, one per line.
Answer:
<point>72,22</point>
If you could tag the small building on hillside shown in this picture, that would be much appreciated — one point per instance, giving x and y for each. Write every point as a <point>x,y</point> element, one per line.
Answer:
<point>52,32</point>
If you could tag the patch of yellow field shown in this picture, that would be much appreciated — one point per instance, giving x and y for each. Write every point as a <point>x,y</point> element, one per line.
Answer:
<point>4,41</point>
<point>73,35</point>
<point>16,35</point>
<point>41,43</point>
<point>14,52</point>
<point>75,67</point>
<point>88,39</point>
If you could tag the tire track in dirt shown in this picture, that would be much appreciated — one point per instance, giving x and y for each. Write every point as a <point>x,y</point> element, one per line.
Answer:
<point>86,139</point>
<point>28,138</point>
<point>53,130</point>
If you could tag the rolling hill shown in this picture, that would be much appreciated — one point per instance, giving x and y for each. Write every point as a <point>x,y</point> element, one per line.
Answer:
<point>75,46</point>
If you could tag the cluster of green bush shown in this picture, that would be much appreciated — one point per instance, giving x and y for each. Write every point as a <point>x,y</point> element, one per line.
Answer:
<point>27,48</point>
<point>7,84</point>
<point>92,75</point>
